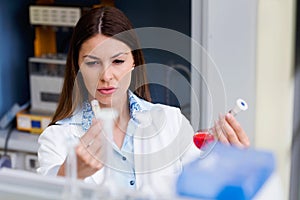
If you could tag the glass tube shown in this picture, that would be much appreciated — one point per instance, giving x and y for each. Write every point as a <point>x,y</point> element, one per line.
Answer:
<point>71,189</point>
<point>205,138</point>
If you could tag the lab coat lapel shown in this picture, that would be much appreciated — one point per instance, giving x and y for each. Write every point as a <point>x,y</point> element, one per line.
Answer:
<point>144,149</point>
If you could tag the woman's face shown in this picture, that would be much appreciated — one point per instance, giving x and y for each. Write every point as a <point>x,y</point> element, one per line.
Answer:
<point>106,65</point>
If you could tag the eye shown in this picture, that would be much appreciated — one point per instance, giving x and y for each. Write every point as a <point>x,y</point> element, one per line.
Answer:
<point>92,63</point>
<point>118,61</point>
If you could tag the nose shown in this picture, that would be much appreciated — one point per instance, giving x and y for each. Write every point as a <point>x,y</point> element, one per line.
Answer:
<point>107,74</point>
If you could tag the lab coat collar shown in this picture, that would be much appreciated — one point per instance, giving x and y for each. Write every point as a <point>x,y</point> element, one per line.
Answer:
<point>84,114</point>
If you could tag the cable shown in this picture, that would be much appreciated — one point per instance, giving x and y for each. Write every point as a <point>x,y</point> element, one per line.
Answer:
<point>5,160</point>
<point>9,131</point>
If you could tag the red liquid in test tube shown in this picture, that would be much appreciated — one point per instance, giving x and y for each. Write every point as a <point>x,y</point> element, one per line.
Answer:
<point>202,138</point>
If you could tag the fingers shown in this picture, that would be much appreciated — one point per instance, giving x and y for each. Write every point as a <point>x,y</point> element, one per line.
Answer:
<point>240,133</point>
<point>219,133</point>
<point>230,131</point>
<point>92,140</point>
<point>87,163</point>
<point>86,155</point>
<point>90,136</point>
<point>89,150</point>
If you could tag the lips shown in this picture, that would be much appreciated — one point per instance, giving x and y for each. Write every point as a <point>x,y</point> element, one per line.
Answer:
<point>107,90</point>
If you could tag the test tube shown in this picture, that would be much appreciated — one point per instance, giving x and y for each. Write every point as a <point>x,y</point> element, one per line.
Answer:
<point>71,190</point>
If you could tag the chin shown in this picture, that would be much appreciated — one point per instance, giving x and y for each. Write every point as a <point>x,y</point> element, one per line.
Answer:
<point>105,103</point>
<point>111,100</point>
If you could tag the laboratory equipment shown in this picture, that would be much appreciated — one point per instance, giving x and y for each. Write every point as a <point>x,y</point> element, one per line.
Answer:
<point>54,15</point>
<point>226,173</point>
<point>203,138</point>
<point>10,115</point>
<point>33,122</point>
<point>107,116</point>
<point>46,79</point>
<point>5,161</point>
<point>20,184</point>
<point>240,105</point>
<point>71,190</point>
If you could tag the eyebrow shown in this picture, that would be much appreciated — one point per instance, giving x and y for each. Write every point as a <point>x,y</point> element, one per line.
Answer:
<point>92,57</point>
<point>118,54</point>
<point>96,58</point>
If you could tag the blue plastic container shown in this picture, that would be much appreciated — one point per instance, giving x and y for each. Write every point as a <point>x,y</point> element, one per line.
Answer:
<point>226,173</point>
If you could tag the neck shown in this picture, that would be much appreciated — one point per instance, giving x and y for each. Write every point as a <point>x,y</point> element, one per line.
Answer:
<point>121,123</point>
<point>122,108</point>
<point>123,114</point>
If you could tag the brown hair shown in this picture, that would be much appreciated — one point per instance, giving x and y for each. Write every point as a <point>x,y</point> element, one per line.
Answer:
<point>110,22</point>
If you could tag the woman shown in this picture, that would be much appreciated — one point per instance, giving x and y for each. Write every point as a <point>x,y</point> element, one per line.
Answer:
<point>103,61</point>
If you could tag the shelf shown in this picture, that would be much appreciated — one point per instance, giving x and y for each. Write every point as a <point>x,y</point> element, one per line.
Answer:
<point>20,141</point>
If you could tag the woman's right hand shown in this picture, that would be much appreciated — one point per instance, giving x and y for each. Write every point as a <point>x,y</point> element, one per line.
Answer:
<point>88,152</point>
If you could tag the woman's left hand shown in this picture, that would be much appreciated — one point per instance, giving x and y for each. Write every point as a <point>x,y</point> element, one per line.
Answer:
<point>229,131</point>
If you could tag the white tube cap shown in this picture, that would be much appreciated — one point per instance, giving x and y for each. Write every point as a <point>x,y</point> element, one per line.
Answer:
<point>240,105</point>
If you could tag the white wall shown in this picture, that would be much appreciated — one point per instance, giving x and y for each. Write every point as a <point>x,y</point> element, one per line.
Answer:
<point>252,43</point>
<point>231,44</point>
<point>227,30</point>
<point>275,81</point>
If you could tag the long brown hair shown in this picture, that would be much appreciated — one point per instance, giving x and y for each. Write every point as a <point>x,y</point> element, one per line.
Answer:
<point>110,22</point>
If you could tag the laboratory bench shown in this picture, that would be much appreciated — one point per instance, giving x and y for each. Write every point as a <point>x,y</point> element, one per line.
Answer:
<point>23,182</point>
<point>16,184</point>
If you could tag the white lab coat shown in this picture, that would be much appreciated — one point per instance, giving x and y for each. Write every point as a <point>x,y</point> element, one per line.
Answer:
<point>169,149</point>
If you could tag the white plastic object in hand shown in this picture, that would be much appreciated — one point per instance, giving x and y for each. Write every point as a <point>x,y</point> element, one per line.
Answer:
<point>95,107</point>
<point>240,105</point>
<point>105,113</point>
